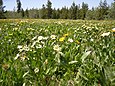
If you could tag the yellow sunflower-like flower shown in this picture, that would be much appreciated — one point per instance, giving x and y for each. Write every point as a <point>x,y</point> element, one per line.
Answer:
<point>65,35</point>
<point>62,39</point>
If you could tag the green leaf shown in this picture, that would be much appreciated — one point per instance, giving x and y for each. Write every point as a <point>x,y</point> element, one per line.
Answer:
<point>85,55</point>
<point>54,70</point>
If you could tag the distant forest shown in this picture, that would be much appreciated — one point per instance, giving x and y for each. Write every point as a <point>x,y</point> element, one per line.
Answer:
<point>102,12</point>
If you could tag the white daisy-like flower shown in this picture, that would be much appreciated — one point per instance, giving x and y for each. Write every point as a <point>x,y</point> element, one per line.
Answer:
<point>19,46</point>
<point>105,34</point>
<point>70,40</point>
<point>39,46</point>
<point>36,70</point>
<point>57,48</point>
<point>40,38</point>
<point>113,30</point>
<point>91,39</point>
<point>53,37</point>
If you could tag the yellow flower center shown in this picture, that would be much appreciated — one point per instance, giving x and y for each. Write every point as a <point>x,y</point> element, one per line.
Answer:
<point>62,39</point>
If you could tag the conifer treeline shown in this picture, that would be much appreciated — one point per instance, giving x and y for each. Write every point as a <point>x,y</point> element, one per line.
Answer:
<point>103,11</point>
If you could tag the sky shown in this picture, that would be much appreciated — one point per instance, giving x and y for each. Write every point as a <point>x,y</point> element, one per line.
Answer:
<point>11,4</point>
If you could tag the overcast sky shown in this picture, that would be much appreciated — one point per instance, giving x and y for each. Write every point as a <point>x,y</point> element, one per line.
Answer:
<point>10,4</point>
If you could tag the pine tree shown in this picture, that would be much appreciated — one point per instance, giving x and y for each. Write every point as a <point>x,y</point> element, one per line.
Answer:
<point>22,12</point>
<point>1,5</point>
<point>64,13</point>
<point>27,13</point>
<point>84,10</point>
<point>42,13</point>
<point>73,11</point>
<point>1,9</point>
<point>18,6</point>
<point>103,9</point>
<point>54,14</point>
<point>112,11</point>
<point>58,13</point>
<point>49,9</point>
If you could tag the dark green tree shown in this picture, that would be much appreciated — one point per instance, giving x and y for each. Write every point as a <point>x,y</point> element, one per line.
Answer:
<point>84,10</point>
<point>18,5</point>
<point>103,9</point>
<point>58,13</point>
<point>42,13</point>
<point>22,13</point>
<point>1,2</point>
<point>1,9</point>
<point>112,11</point>
<point>54,16</point>
<point>49,9</point>
<point>64,13</point>
<point>27,13</point>
<point>90,15</point>
<point>73,11</point>
<point>78,12</point>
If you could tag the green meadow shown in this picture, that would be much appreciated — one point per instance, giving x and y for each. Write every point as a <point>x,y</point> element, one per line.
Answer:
<point>36,52</point>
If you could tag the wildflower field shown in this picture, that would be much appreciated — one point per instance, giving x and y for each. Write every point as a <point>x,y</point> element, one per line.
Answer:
<point>57,53</point>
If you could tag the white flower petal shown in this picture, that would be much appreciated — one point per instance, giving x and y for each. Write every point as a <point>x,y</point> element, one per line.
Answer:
<point>16,56</point>
<point>25,74</point>
<point>70,40</point>
<point>105,34</point>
